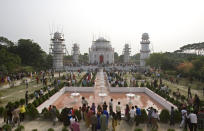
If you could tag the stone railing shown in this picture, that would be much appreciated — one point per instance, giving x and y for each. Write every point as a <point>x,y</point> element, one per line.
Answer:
<point>166,104</point>
<point>51,100</point>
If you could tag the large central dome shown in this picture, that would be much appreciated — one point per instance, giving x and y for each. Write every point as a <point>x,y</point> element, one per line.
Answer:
<point>101,39</point>
<point>101,51</point>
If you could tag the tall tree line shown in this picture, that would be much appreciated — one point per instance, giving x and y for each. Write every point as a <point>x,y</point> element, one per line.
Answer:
<point>16,57</point>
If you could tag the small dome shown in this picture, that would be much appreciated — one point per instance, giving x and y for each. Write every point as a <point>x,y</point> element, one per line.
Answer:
<point>57,35</point>
<point>145,36</point>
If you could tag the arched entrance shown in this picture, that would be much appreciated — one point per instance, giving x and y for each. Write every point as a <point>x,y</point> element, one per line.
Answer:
<point>101,59</point>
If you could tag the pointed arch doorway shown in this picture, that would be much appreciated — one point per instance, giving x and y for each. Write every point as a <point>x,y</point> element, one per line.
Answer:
<point>101,59</point>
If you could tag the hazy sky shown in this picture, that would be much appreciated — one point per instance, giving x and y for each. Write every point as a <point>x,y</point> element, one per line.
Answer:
<point>170,23</point>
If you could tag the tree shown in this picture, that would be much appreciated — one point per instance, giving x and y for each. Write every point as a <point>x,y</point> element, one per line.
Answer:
<point>185,68</point>
<point>6,42</point>
<point>84,58</point>
<point>162,60</point>
<point>8,61</point>
<point>31,53</point>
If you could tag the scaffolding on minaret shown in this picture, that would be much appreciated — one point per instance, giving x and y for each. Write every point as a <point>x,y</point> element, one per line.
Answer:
<point>126,53</point>
<point>75,53</point>
<point>57,50</point>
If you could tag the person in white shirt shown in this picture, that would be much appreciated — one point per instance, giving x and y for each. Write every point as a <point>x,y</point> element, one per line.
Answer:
<point>132,114</point>
<point>193,121</point>
<point>184,115</point>
<point>118,111</point>
<point>155,118</point>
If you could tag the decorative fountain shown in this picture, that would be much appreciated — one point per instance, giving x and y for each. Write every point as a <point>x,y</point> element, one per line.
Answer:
<point>75,94</point>
<point>130,95</point>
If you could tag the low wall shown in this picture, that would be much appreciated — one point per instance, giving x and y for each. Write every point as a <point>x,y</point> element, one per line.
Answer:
<point>126,89</point>
<point>166,104</point>
<point>79,89</point>
<point>50,101</point>
<point>53,98</point>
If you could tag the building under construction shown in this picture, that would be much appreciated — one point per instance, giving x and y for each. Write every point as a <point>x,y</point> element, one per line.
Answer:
<point>57,50</point>
<point>126,53</point>
<point>75,53</point>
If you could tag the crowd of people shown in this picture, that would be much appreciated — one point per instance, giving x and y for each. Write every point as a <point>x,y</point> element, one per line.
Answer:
<point>116,80</point>
<point>87,79</point>
<point>98,117</point>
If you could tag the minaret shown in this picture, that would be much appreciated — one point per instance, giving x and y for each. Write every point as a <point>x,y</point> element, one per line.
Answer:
<point>58,50</point>
<point>126,53</point>
<point>145,51</point>
<point>75,53</point>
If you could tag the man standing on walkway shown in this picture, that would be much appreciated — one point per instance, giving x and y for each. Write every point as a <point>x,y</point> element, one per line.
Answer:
<point>138,115</point>
<point>93,122</point>
<point>26,97</point>
<point>118,111</point>
<point>111,106</point>
<point>172,117</point>
<point>103,122</point>
<point>193,121</point>
<point>189,92</point>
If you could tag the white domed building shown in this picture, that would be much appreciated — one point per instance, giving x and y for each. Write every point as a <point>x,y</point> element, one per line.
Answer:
<point>101,52</point>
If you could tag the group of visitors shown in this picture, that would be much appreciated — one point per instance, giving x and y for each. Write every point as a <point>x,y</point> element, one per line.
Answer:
<point>153,118</point>
<point>71,79</point>
<point>14,115</point>
<point>189,119</point>
<point>87,79</point>
<point>116,80</point>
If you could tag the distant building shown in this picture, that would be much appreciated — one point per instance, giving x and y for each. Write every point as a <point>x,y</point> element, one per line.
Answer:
<point>75,53</point>
<point>126,53</point>
<point>145,51</point>
<point>101,52</point>
<point>57,50</point>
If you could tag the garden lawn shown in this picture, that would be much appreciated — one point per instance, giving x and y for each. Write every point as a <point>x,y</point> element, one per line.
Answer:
<point>183,89</point>
<point>16,93</point>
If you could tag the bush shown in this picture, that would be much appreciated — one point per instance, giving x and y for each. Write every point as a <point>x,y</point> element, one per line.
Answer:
<point>65,128</point>
<point>31,96</point>
<point>50,129</point>
<point>46,114</point>
<point>63,116</point>
<point>138,129</point>
<point>31,111</point>
<point>137,85</point>
<point>22,101</point>
<point>6,127</point>
<point>142,84</point>
<point>36,103</point>
<point>1,111</point>
<point>34,129</point>
<point>144,116</point>
<point>20,128</point>
<point>177,116</point>
<point>183,97</point>
<point>17,104</point>
<point>78,114</point>
<point>170,130</point>
<point>164,116</point>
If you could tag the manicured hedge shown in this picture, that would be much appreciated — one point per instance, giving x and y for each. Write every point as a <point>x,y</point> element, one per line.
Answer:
<point>164,116</point>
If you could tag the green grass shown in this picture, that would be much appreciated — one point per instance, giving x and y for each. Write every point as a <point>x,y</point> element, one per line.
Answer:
<point>183,87</point>
<point>16,93</point>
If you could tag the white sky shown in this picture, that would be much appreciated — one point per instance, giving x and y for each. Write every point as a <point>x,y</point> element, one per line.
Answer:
<point>170,23</point>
